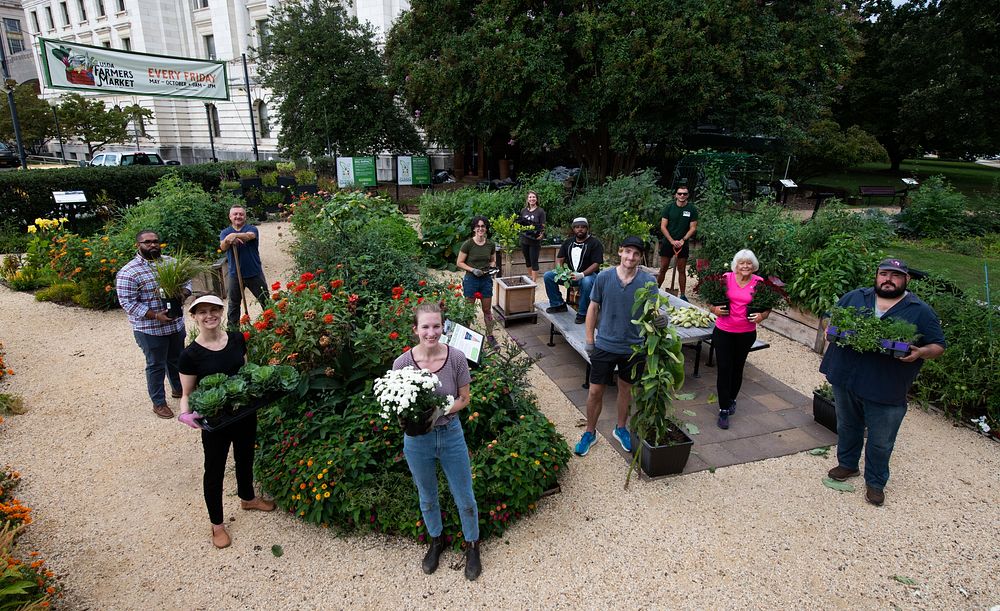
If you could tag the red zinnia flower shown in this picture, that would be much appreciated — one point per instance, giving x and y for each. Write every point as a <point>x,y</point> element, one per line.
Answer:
<point>328,318</point>
<point>327,296</point>
<point>394,335</point>
<point>477,295</point>
<point>244,319</point>
<point>291,284</point>
<point>276,286</point>
<point>336,284</point>
<point>260,325</point>
<point>246,336</point>
<point>406,348</point>
<point>275,296</point>
<point>422,283</point>
<point>306,277</point>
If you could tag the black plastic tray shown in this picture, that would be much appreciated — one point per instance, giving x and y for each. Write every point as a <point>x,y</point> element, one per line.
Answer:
<point>223,420</point>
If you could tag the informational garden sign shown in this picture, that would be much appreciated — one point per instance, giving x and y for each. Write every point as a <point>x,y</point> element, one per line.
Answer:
<point>356,171</point>
<point>69,65</point>
<point>413,170</point>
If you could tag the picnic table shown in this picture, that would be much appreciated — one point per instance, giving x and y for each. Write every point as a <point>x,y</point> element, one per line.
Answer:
<point>564,323</point>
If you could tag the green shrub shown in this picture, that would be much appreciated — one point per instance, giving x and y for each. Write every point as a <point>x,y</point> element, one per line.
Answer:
<point>604,205</point>
<point>871,226</point>
<point>936,209</point>
<point>822,276</point>
<point>768,231</point>
<point>59,292</point>
<point>96,295</point>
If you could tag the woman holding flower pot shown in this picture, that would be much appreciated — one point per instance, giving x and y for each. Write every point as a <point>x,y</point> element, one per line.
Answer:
<point>533,216</point>
<point>476,256</point>
<point>218,351</point>
<point>735,331</point>
<point>444,441</point>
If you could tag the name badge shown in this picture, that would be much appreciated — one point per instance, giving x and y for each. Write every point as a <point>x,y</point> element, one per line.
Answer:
<point>686,213</point>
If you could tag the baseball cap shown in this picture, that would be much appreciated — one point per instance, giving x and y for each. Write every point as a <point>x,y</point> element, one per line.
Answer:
<point>634,242</point>
<point>581,220</point>
<point>212,299</point>
<point>896,265</point>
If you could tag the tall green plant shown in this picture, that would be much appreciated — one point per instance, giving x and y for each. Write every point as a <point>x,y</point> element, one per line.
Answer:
<point>822,276</point>
<point>653,416</point>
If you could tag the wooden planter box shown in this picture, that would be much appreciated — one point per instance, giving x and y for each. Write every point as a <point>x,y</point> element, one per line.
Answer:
<point>515,294</point>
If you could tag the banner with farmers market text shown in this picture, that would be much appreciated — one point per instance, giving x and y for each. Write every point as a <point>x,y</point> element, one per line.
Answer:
<point>69,65</point>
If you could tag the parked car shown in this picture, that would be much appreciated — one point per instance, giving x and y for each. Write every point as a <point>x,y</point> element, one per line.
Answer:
<point>136,158</point>
<point>8,156</point>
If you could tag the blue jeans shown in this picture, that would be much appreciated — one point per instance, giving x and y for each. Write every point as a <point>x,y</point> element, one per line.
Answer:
<point>162,352</point>
<point>555,295</point>
<point>882,421</point>
<point>444,444</point>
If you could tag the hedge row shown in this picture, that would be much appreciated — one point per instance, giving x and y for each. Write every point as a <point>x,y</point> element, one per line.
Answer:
<point>25,196</point>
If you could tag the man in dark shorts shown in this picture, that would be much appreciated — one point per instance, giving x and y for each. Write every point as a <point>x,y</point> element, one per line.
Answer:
<point>678,223</point>
<point>610,315</point>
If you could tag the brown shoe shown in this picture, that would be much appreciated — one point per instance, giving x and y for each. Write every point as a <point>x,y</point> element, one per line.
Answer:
<point>257,504</point>
<point>163,411</point>
<point>220,538</point>
<point>874,496</point>
<point>842,473</point>
<point>176,394</point>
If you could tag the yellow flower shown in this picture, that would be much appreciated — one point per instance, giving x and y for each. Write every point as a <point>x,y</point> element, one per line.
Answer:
<point>32,229</point>
<point>513,454</point>
<point>326,494</point>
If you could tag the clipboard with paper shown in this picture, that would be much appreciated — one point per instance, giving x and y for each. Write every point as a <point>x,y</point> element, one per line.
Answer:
<point>465,339</point>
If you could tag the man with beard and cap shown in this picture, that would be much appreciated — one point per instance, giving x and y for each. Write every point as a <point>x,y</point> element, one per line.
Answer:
<point>583,253</point>
<point>160,337</point>
<point>869,388</point>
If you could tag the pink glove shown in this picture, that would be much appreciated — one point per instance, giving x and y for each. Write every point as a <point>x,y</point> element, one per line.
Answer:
<point>188,419</point>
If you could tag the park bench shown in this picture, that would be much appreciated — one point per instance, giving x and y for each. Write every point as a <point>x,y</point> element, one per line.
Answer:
<point>878,191</point>
<point>564,323</point>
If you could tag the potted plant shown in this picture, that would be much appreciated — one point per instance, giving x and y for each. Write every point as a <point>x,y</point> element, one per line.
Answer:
<point>506,232</point>
<point>172,274</point>
<point>270,181</point>
<point>897,336</point>
<point>712,289</point>
<point>306,180</point>
<point>662,447</point>
<point>767,295</point>
<point>286,174</point>
<point>824,409</point>
<point>231,186</point>
<point>249,178</point>
<point>863,332</point>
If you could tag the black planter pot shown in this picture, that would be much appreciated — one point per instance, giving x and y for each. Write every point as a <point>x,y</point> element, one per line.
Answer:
<point>175,307</point>
<point>656,461</point>
<point>824,411</point>
<point>310,189</point>
<point>250,183</point>
<point>286,181</point>
<point>721,304</point>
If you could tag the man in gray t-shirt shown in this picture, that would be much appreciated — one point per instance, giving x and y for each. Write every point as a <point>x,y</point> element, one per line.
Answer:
<point>610,315</point>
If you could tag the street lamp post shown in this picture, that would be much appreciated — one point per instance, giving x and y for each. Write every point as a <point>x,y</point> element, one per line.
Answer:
<point>211,130</point>
<point>54,103</point>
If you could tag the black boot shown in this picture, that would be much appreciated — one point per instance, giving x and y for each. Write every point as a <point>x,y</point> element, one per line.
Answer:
<point>430,563</point>
<point>473,567</point>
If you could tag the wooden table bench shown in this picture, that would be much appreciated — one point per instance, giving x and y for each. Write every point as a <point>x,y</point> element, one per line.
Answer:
<point>879,191</point>
<point>564,323</point>
<point>757,345</point>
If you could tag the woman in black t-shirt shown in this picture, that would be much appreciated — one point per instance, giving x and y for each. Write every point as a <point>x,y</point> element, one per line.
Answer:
<point>533,216</point>
<point>216,351</point>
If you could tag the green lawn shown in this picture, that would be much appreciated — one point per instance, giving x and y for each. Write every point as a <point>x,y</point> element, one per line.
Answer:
<point>965,176</point>
<point>965,271</point>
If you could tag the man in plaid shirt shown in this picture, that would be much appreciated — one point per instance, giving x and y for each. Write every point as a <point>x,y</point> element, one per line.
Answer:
<point>160,337</point>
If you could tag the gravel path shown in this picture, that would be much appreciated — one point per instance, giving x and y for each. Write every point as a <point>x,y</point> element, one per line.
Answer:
<point>117,501</point>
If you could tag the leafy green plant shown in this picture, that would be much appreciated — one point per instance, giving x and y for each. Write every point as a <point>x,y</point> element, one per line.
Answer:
<point>59,292</point>
<point>825,390</point>
<point>507,231</point>
<point>229,185</point>
<point>305,177</point>
<point>172,273</point>
<point>862,331</point>
<point>286,168</point>
<point>935,209</point>
<point>247,173</point>
<point>564,275</point>
<point>712,289</point>
<point>269,179</point>
<point>822,276</point>
<point>653,417</point>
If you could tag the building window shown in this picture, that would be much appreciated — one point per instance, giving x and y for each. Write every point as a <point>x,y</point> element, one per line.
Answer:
<point>127,44</point>
<point>15,45</point>
<point>121,6</point>
<point>200,4</point>
<point>34,22</point>
<point>106,44</point>
<point>213,120</point>
<point>64,11</point>
<point>209,47</point>
<point>261,31</point>
<point>48,18</point>
<point>100,8</point>
<point>263,126</point>
<point>83,11</point>
<point>12,26</point>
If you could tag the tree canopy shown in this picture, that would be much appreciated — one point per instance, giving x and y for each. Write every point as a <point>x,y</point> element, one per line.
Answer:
<point>329,78</point>
<point>605,81</point>
<point>929,78</point>
<point>34,116</point>
<point>88,119</point>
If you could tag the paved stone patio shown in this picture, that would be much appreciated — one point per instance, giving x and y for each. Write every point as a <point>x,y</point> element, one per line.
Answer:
<point>772,419</point>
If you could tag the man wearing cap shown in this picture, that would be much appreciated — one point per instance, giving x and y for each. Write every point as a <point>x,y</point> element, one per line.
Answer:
<point>160,337</point>
<point>242,240</point>
<point>583,253</point>
<point>610,336</point>
<point>678,222</point>
<point>869,388</point>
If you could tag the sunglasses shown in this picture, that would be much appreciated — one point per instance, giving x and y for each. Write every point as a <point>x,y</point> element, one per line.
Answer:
<point>685,194</point>
<point>479,227</point>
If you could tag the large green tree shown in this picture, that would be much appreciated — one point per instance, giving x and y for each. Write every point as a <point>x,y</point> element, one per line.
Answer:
<point>605,81</point>
<point>34,116</point>
<point>329,78</point>
<point>929,78</point>
<point>96,125</point>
